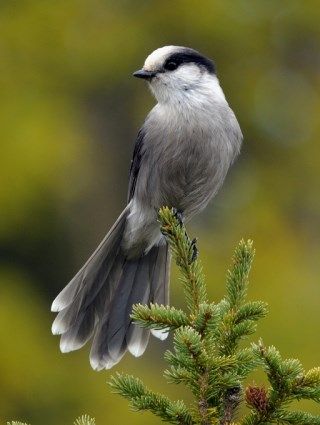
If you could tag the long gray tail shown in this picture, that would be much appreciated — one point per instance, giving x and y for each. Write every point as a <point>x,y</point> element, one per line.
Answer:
<point>98,301</point>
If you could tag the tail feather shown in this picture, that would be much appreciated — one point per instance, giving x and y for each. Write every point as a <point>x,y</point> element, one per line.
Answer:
<point>98,301</point>
<point>77,336</point>
<point>136,337</point>
<point>82,325</point>
<point>99,351</point>
<point>160,284</point>
<point>118,315</point>
<point>111,339</point>
<point>84,289</point>
<point>87,274</point>
<point>90,290</point>
<point>160,276</point>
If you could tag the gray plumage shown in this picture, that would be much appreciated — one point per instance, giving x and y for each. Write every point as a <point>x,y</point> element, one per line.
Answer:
<point>181,157</point>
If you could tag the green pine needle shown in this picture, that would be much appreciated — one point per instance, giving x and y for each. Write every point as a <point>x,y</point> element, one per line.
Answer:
<point>237,276</point>
<point>253,310</point>
<point>84,420</point>
<point>143,399</point>
<point>159,317</point>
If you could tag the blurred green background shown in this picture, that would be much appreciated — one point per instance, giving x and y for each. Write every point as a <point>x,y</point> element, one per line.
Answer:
<point>70,111</point>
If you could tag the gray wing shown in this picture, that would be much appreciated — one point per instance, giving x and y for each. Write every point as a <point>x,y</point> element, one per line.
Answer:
<point>135,163</point>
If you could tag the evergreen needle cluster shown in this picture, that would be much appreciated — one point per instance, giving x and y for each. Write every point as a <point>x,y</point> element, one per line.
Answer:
<point>206,356</point>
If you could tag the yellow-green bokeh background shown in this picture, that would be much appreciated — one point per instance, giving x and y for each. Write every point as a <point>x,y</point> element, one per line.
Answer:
<point>69,113</point>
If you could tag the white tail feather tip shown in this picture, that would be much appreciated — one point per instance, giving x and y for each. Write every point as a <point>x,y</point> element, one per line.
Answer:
<point>65,347</point>
<point>160,334</point>
<point>136,349</point>
<point>55,329</point>
<point>95,364</point>
<point>56,306</point>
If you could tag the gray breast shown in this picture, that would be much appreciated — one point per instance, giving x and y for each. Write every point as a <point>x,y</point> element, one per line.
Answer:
<point>186,157</point>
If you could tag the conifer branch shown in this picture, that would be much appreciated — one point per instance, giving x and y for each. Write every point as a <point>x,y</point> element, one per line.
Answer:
<point>288,382</point>
<point>143,399</point>
<point>159,317</point>
<point>185,253</point>
<point>206,356</point>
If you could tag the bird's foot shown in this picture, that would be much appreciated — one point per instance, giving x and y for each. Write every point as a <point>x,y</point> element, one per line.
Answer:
<point>178,215</point>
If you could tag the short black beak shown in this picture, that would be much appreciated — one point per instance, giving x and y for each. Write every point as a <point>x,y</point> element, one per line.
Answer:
<point>146,75</point>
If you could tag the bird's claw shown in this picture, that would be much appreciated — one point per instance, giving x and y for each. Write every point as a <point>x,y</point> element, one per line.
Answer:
<point>178,214</point>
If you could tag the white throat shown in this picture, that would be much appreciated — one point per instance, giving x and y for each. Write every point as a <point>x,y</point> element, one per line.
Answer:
<point>189,93</point>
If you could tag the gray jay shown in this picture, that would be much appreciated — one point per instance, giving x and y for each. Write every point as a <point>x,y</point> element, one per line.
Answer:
<point>181,157</point>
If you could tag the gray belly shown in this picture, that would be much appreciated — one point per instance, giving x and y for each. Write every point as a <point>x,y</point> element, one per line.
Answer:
<point>189,175</point>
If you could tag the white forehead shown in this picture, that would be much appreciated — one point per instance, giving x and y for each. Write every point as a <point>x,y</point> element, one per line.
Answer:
<point>156,59</point>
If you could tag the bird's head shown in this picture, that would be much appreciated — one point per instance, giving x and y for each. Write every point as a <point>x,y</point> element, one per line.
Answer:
<point>175,72</point>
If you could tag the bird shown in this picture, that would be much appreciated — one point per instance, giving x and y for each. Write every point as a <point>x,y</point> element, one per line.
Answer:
<point>181,157</point>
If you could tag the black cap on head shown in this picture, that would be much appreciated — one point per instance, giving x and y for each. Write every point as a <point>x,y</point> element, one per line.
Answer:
<point>188,55</point>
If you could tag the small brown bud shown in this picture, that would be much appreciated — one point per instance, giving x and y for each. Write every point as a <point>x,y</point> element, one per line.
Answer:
<point>257,398</point>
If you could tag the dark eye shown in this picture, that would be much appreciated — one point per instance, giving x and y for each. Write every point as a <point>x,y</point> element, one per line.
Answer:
<point>171,66</point>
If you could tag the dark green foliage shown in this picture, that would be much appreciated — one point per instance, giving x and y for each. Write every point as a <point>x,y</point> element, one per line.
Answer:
<point>206,356</point>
